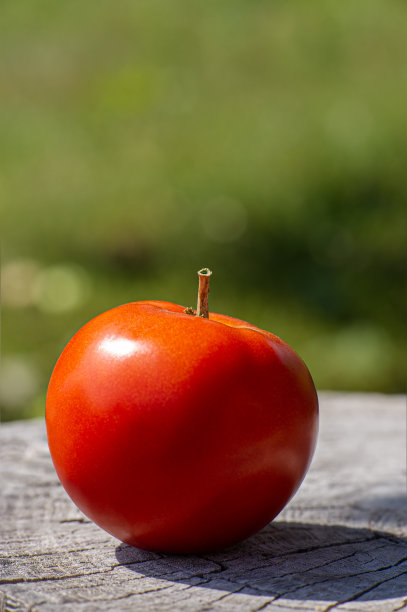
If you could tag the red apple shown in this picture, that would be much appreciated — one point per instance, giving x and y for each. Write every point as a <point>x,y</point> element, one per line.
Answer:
<point>180,433</point>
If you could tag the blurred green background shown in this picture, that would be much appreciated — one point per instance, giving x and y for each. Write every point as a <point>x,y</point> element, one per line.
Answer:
<point>141,141</point>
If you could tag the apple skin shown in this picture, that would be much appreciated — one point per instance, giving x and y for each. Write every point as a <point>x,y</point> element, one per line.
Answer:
<point>176,433</point>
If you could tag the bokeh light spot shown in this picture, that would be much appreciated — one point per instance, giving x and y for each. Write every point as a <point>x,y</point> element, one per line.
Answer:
<point>61,288</point>
<point>18,280</point>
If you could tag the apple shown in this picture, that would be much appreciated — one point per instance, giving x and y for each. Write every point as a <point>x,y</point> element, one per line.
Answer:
<point>178,431</point>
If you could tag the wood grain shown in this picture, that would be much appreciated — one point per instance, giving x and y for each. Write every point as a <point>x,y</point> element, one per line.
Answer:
<point>341,543</point>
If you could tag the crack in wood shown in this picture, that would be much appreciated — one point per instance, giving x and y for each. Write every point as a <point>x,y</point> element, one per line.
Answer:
<point>347,576</point>
<point>75,520</point>
<point>264,605</point>
<point>33,607</point>
<point>30,555</point>
<point>364,592</point>
<point>10,604</point>
<point>53,578</point>
<point>325,564</point>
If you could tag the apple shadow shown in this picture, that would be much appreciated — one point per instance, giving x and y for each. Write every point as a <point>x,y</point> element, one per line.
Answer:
<point>287,560</point>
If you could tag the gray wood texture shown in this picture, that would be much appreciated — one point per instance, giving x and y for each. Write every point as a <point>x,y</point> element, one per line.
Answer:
<point>341,543</point>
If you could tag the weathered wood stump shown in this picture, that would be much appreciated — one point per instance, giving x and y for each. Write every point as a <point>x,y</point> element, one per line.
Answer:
<point>340,544</point>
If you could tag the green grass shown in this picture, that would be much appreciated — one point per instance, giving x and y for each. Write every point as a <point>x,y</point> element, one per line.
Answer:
<point>142,141</point>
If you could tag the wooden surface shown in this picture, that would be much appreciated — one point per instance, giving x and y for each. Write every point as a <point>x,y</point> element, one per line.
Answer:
<point>341,544</point>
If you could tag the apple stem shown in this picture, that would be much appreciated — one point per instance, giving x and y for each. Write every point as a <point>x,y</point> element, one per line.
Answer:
<point>202,309</point>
